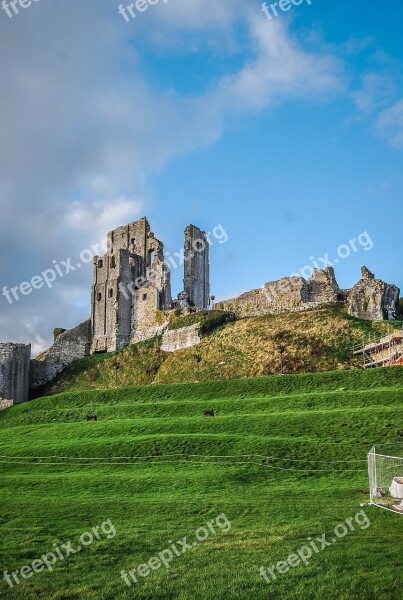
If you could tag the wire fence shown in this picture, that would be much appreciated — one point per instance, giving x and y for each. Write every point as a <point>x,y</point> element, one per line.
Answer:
<point>303,465</point>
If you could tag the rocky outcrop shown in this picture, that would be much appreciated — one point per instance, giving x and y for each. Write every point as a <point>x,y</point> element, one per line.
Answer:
<point>69,346</point>
<point>373,299</point>
<point>14,372</point>
<point>179,339</point>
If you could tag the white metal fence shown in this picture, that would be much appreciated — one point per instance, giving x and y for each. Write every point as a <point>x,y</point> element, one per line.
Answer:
<point>385,471</point>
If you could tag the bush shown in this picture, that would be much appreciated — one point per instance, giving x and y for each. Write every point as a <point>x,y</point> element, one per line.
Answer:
<point>58,332</point>
<point>208,319</point>
<point>214,320</point>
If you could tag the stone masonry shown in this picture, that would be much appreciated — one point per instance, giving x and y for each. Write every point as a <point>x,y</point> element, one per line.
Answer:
<point>5,404</point>
<point>197,267</point>
<point>370,298</point>
<point>373,299</point>
<point>291,294</point>
<point>131,284</point>
<point>69,346</point>
<point>14,373</point>
<point>179,339</point>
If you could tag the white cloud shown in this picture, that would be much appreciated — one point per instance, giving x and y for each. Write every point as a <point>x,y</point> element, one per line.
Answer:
<point>81,121</point>
<point>97,218</point>
<point>390,124</point>
<point>375,92</point>
<point>280,70</point>
<point>376,96</point>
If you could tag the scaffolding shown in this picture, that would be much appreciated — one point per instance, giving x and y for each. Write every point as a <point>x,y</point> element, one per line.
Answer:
<point>385,351</point>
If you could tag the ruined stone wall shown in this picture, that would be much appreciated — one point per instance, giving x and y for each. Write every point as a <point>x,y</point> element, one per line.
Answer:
<point>146,257</point>
<point>370,298</point>
<point>197,267</point>
<point>323,287</point>
<point>390,301</point>
<point>179,339</point>
<point>147,319</point>
<point>111,303</point>
<point>134,238</point>
<point>373,299</point>
<point>132,272</point>
<point>291,294</point>
<point>69,346</point>
<point>14,372</point>
<point>5,404</point>
<point>249,304</point>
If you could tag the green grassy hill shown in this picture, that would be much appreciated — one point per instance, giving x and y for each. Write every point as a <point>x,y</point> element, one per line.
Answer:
<point>317,340</point>
<point>284,459</point>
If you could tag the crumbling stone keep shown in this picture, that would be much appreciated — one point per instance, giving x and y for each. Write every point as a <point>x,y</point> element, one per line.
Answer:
<point>131,284</point>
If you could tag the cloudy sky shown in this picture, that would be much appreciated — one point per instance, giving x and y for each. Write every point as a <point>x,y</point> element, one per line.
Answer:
<point>287,132</point>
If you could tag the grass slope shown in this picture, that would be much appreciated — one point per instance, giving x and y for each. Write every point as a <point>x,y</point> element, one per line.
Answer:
<point>313,432</point>
<point>317,340</point>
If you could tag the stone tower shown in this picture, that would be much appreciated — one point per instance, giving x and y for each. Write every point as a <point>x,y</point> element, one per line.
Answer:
<point>131,283</point>
<point>197,267</point>
<point>14,373</point>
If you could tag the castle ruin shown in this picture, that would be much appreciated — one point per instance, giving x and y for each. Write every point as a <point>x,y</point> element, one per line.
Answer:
<point>131,292</point>
<point>370,299</point>
<point>131,301</point>
<point>131,284</point>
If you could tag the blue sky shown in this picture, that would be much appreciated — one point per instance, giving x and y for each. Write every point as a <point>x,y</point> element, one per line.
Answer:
<point>288,133</point>
<point>302,178</point>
